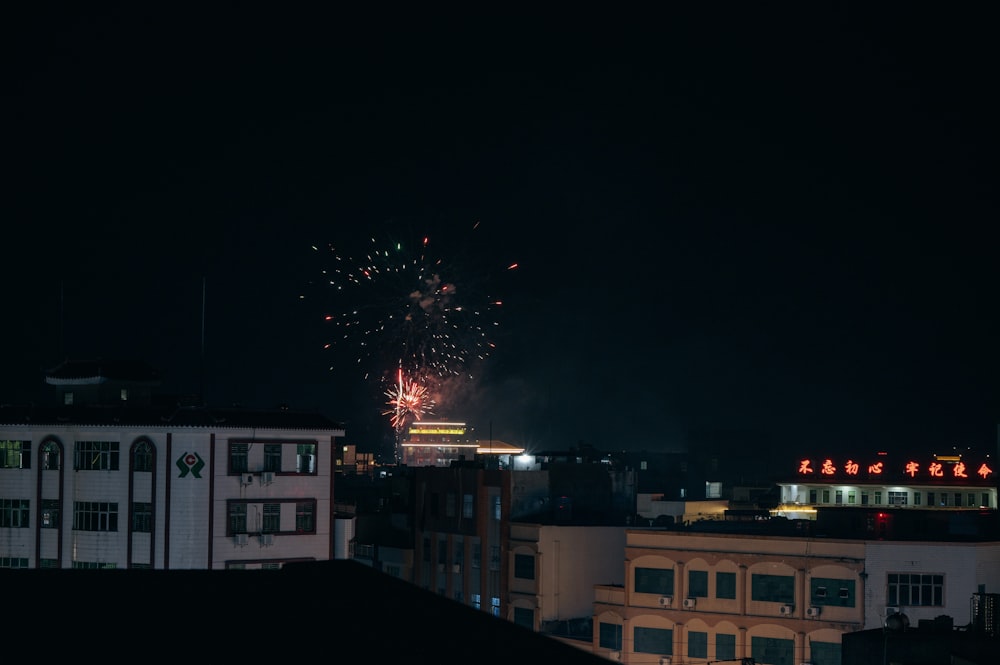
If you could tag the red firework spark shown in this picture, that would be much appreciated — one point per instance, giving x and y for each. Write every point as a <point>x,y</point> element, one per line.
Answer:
<point>407,398</point>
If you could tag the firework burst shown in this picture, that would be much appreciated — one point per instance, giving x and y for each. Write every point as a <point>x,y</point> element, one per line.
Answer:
<point>408,400</point>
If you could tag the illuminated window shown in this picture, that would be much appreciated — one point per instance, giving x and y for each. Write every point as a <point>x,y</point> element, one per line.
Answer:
<point>467,506</point>
<point>878,498</point>
<point>916,498</point>
<point>475,600</point>
<point>496,507</point>
<point>897,498</point>
<point>305,458</point>
<point>826,496</point>
<point>68,399</point>
<point>15,454</point>
<point>852,497</point>
<point>495,606</point>
<point>123,394</point>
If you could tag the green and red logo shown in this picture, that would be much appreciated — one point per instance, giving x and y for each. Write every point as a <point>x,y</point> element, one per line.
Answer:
<point>190,463</point>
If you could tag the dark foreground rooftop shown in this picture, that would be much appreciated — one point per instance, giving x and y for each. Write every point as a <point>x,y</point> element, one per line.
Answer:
<point>303,611</point>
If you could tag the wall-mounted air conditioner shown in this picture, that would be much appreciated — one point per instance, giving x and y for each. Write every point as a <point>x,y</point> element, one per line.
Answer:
<point>246,478</point>
<point>813,611</point>
<point>689,603</point>
<point>456,567</point>
<point>666,660</point>
<point>787,609</point>
<point>267,477</point>
<point>266,539</point>
<point>615,655</point>
<point>666,601</point>
<point>241,538</point>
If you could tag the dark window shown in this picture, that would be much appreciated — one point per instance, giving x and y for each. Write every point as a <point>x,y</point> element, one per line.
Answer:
<point>915,590</point>
<point>725,646</point>
<point>14,513</point>
<point>142,517</point>
<point>773,588</point>
<point>654,580</point>
<point>824,653</point>
<point>697,584</point>
<point>272,457</point>
<point>772,650</point>
<point>831,592</point>
<point>524,566</point>
<point>95,516</point>
<point>653,640</point>
<point>525,617</point>
<point>237,518</point>
<point>96,456</point>
<point>50,514</point>
<point>725,585</point>
<point>304,520</point>
<point>142,457</point>
<point>238,457</point>
<point>272,518</point>
<point>50,456</point>
<point>609,636</point>
<point>697,644</point>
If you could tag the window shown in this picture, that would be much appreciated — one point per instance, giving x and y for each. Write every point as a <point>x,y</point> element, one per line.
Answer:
<point>238,457</point>
<point>772,650</point>
<point>984,501</point>
<point>852,497</point>
<point>272,518</point>
<point>304,520</point>
<point>96,455</point>
<point>494,557</point>
<point>831,592</point>
<point>14,513</point>
<point>524,566</point>
<point>697,584</point>
<point>496,508</point>
<point>524,616</point>
<point>897,498</point>
<point>442,552</point>
<point>477,556</point>
<point>915,590</point>
<point>609,636</point>
<point>654,580</point>
<point>50,514</point>
<point>50,456</point>
<point>68,399</point>
<point>305,458</point>
<point>725,585</point>
<point>237,518</point>
<point>725,646</point>
<point>970,500</point>
<point>839,494</point>
<point>449,504</point>
<point>142,457</point>
<point>878,498</point>
<point>930,498</point>
<point>826,496</point>
<point>476,601</point>
<point>142,517</point>
<point>95,516</point>
<point>272,457</point>
<point>495,606</point>
<point>49,563</point>
<point>93,565</point>
<point>916,498</point>
<point>813,495</point>
<point>773,588</point>
<point>13,562</point>
<point>467,506</point>
<point>824,653</point>
<point>15,454</point>
<point>653,640</point>
<point>697,644</point>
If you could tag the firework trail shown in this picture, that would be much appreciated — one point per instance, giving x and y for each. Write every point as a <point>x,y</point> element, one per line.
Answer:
<point>407,399</point>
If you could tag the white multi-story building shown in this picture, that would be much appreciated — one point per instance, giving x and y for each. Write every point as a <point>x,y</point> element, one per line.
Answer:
<point>97,483</point>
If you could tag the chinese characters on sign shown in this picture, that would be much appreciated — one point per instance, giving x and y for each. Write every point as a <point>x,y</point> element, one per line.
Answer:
<point>912,468</point>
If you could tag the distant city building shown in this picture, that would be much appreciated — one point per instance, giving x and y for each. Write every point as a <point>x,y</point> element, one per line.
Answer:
<point>441,443</point>
<point>109,478</point>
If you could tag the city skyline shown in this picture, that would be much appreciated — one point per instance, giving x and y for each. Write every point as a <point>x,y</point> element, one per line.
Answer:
<point>760,221</point>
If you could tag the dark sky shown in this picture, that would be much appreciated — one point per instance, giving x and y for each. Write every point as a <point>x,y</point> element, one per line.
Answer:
<point>762,219</point>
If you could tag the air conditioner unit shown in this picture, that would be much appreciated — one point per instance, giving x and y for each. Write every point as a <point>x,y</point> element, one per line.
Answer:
<point>267,539</point>
<point>665,660</point>
<point>787,609</point>
<point>813,611</point>
<point>666,601</point>
<point>689,603</point>
<point>241,539</point>
<point>615,655</point>
<point>456,568</point>
<point>246,478</point>
<point>267,477</point>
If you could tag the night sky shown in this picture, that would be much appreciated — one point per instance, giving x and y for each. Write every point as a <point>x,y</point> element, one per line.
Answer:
<point>746,219</point>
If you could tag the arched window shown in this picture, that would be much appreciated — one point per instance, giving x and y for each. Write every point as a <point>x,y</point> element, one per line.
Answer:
<point>50,456</point>
<point>142,456</point>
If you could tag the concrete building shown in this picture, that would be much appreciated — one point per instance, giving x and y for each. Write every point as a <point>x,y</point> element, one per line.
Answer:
<point>109,478</point>
<point>784,598</point>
